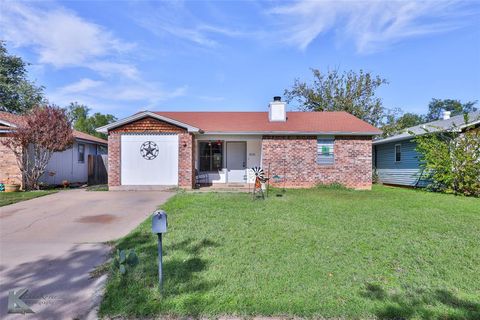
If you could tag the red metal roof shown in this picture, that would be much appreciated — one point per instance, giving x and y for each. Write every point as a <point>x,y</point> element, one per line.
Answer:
<point>250,122</point>
<point>18,119</point>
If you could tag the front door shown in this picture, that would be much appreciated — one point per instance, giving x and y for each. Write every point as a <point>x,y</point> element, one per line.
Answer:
<point>237,162</point>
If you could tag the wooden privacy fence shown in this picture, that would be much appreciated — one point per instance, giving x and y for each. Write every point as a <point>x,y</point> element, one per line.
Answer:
<point>97,169</point>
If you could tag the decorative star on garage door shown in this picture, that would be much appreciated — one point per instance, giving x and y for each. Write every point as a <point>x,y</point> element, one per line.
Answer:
<point>149,150</point>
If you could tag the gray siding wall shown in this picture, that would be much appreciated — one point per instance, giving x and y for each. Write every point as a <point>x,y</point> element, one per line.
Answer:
<point>65,165</point>
<point>405,172</point>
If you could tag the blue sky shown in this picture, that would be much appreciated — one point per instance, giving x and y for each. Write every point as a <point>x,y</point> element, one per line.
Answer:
<point>121,57</point>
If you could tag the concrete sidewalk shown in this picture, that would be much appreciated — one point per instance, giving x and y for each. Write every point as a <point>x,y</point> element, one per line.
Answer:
<point>50,244</point>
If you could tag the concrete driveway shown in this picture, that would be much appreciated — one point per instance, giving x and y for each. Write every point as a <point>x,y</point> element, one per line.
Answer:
<point>50,244</point>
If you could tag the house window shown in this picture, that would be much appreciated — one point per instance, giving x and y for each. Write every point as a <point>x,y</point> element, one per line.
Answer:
<point>210,155</point>
<point>101,149</point>
<point>398,152</point>
<point>325,153</point>
<point>81,152</point>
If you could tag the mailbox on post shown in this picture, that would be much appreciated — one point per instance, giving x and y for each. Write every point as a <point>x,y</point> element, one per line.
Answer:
<point>159,226</point>
<point>159,222</point>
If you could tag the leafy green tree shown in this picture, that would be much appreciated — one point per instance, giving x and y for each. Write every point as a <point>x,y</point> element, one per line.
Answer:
<point>451,159</point>
<point>341,91</point>
<point>395,124</point>
<point>17,93</point>
<point>82,121</point>
<point>456,107</point>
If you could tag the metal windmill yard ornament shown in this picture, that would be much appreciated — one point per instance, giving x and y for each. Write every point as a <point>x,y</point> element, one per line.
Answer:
<point>259,180</point>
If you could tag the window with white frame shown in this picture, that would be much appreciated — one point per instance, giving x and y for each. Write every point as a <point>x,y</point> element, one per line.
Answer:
<point>398,152</point>
<point>325,150</point>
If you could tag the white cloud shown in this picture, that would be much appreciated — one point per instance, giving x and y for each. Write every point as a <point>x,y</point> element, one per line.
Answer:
<point>372,25</point>
<point>58,36</point>
<point>150,92</point>
<point>175,19</point>
<point>96,93</point>
<point>81,86</point>
<point>108,68</point>
<point>62,39</point>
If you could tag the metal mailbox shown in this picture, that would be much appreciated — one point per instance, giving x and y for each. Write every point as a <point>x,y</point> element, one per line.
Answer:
<point>159,226</point>
<point>159,222</point>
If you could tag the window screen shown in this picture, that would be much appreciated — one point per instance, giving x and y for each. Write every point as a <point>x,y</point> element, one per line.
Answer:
<point>325,153</point>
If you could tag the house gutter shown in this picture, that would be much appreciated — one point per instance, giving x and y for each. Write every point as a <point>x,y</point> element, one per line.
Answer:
<point>287,133</point>
<point>6,123</point>
<point>90,141</point>
<point>388,140</point>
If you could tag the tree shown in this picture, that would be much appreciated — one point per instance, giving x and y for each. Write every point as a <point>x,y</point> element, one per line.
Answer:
<point>395,124</point>
<point>17,93</point>
<point>451,160</point>
<point>456,107</point>
<point>341,91</point>
<point>43,131</point>
<point>78,115</point>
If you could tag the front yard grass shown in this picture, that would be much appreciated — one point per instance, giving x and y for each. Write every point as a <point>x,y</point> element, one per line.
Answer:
<point>7,198</point>
<point>385,253</point>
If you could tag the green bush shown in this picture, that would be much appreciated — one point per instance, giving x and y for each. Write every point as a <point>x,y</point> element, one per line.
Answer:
<point>451,161</point>
<point>332,186</point>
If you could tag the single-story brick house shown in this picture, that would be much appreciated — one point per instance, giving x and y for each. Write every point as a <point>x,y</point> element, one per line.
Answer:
<point>301,149</point>
<point>70,165</point>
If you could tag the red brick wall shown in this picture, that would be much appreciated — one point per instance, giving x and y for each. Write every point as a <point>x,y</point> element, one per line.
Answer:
<point>8,164</point>
<point>186,165</point>
<point>297,157</point>
<point>186,173</point>
<point>113,159</point>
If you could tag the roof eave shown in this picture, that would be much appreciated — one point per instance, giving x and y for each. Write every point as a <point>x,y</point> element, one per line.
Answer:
<point>392,139</point>
<point>305,133</point>
<point>91,141</point>
<point>10,124</point>
<point>142,115</point>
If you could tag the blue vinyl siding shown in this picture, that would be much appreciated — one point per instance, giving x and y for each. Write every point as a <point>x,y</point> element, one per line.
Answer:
<point>405,172</point>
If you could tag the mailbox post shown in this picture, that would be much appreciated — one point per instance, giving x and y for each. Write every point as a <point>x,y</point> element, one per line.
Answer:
<point>159,226</point>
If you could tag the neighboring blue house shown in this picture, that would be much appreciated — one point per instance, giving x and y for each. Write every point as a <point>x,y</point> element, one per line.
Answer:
<point>397,162</point>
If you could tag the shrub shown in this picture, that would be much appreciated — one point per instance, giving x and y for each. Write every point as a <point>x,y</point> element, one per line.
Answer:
<point>333,186</point>
<point>452,160</point>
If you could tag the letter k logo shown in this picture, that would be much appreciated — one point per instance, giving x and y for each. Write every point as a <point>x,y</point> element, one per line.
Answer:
<point>15,303</point>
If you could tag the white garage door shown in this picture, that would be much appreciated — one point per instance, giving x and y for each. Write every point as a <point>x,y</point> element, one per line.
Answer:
<point>149,159</point>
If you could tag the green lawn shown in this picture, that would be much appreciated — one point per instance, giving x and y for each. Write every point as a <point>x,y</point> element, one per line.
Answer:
<point>7,198</point>
<point>385,253</point>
